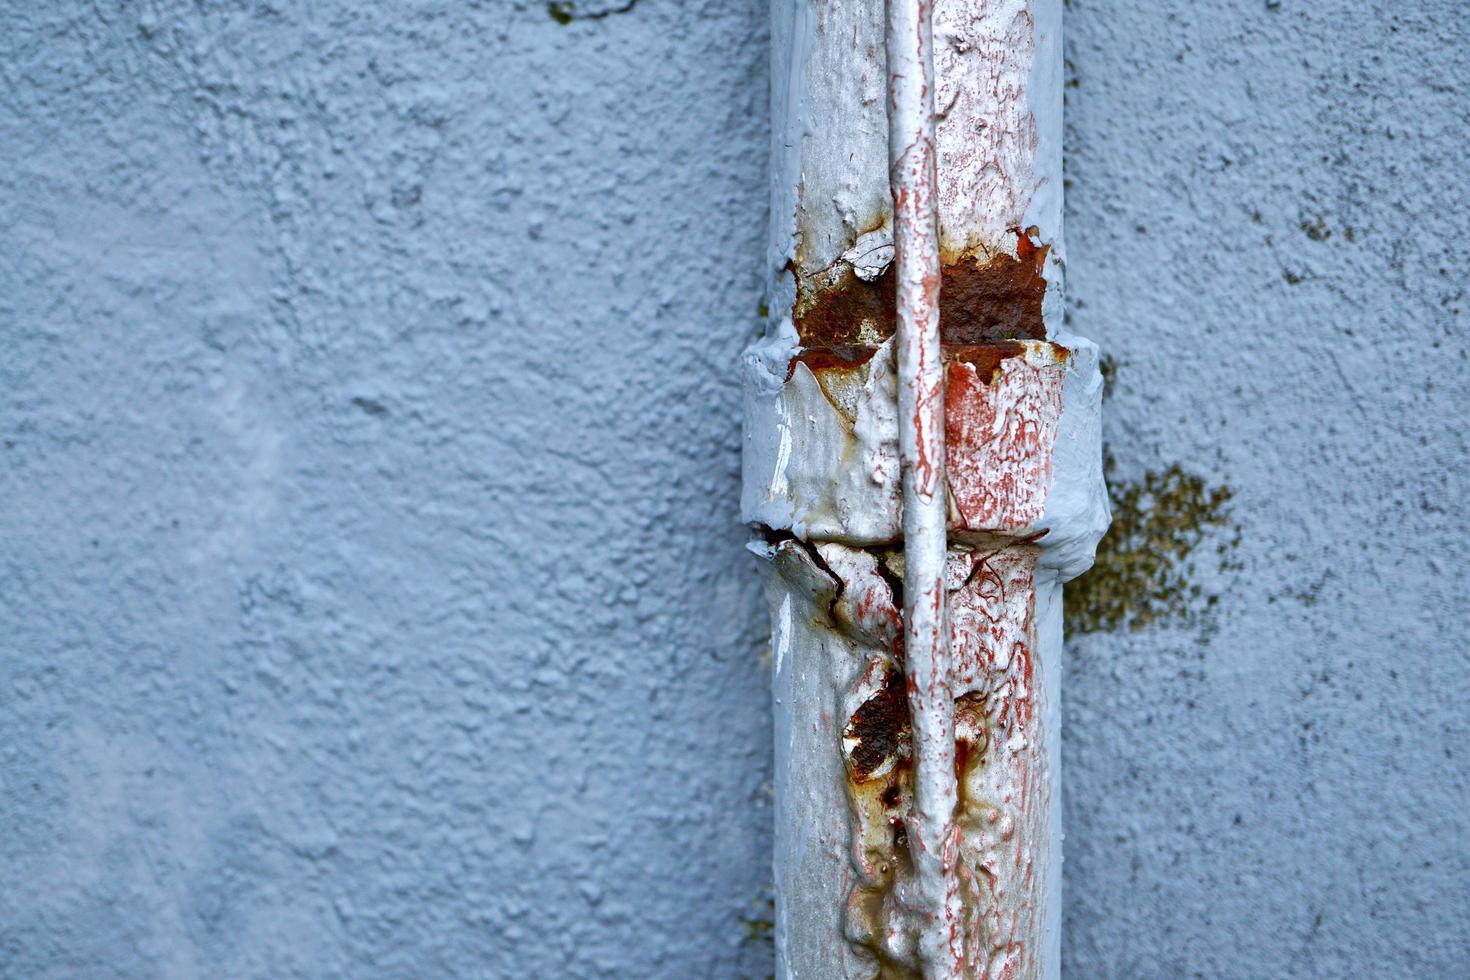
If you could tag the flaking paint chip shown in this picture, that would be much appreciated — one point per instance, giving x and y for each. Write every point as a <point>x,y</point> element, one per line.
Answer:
<point>871,256</point>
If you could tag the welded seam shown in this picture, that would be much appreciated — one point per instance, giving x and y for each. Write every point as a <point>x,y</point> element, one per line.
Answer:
<point>932,830</point>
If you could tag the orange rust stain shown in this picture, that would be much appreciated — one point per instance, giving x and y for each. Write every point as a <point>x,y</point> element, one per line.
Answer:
<point>1023,702</point>
<point>923,468</point>
<point>986,358</point>
<point>819,359</point>
<point>978,303</point>
<point>1000,300</point>
<point>847,311</point>
<point>874,608</point>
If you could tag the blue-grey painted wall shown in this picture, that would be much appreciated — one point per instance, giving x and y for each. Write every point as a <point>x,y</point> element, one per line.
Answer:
<point>371,595</point>
<point>1281,789</point>
<point>371,599</point>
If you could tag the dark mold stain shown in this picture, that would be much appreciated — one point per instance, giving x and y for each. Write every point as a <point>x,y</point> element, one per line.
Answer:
<point>371,406</point>
<point>881,727</point>
<point>1107,366</point>
<point>565,11</point>
<point>1140,575</point>
<point>1317,230</point>
<point>978,304</point>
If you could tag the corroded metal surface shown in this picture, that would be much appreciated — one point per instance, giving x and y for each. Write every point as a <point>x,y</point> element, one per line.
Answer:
<point>841,662</point>
<point>839,643</point>
<point>1021,490</point>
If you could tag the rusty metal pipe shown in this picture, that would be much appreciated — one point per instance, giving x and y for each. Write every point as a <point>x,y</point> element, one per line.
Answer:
<point>932,833</point>
<point>914,678</point>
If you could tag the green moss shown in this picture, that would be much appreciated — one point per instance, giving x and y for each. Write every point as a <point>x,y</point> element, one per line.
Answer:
<point>1317,229</point>
<point>1139,578</point>
<point>759,930</point>
<point>761,927</point>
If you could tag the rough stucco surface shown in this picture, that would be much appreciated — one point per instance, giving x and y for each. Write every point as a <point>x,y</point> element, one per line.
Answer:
<point>372,599</point>
<point>1280,790</point>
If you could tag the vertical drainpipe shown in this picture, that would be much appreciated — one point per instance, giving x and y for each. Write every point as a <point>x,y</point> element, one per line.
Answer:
<point>865,795</point>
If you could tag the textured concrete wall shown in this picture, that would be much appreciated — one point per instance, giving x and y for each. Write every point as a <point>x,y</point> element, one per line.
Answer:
<point>1267,226</point>
<point>372,600</point>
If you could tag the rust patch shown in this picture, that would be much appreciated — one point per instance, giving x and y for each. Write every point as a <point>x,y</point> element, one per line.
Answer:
<point>978,303</point>
<point>820,359</point>
<point>881,728</point>
<point>986,358</point>
<point>837,309</point>
<point>1000,300</point>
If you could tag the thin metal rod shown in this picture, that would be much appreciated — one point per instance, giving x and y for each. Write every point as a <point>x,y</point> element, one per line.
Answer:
<point>933,840</point>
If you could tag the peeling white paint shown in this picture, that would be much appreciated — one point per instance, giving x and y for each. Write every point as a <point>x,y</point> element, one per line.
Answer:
<point>1024,499</point>
<point>872,255</point>
<point>823,462</point>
